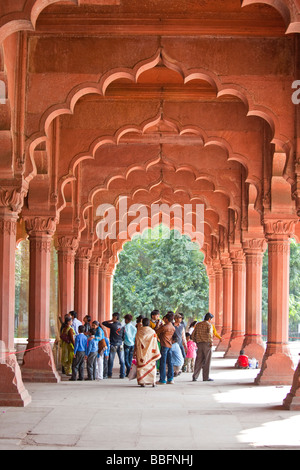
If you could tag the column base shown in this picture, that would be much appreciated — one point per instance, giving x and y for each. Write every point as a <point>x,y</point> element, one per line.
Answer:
<point>254,347</point>
<point>223,345</point>
<point>277,367</point>
<point>234,346</point>
<point>39,366</point>
<point>292,400</point>
<point>12,390</point>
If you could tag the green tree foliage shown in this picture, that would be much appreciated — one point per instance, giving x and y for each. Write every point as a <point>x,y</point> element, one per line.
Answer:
<point>294,300</point>
<point>159,270</point>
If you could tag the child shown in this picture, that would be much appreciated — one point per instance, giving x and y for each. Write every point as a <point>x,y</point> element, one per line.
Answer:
<point>190,354</point>
<point>177,357</point>
<point>91,354</point>
<point>79,354</point>
<point>243,361</point>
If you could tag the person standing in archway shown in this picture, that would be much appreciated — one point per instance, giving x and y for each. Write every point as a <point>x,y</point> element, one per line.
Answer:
<point>147,353</point>
<point>130,333</point>
<point>116,337</point>
<point>203,337</point>
<point>165,334</point>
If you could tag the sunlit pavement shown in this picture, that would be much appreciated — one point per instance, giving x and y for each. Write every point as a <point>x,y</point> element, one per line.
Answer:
<point>230,413</point>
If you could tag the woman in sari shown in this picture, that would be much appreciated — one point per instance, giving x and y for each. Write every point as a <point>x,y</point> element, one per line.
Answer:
<point>67,337</point>
<point>146,354</point>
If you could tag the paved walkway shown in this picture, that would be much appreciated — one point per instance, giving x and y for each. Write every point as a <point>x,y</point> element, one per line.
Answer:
<point>230,413</point>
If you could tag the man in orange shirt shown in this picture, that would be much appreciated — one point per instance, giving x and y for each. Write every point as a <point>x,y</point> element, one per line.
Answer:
<point>203,337</point>
<point>165,334</point>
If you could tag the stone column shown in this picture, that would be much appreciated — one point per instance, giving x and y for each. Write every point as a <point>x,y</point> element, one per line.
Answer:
<point>94,288</point>
<point>212,289</point>
<point>218,320</point>
<point>253,344</point>
<point>38,364</point>
<point>227,303</point>
<point>82,261</point>
<point>8,221</point>
<point>238,304</point>
<point>109,293</point>
<point>66,247</point>
<point>102,294</point>
<point>12,390</point>
<point>277,365</point>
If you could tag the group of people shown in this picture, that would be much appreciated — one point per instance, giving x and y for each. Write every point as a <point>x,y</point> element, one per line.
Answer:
<point>150,347</point>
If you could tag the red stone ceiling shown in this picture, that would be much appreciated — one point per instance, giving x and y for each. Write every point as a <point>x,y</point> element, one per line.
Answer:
<point>161,99</point>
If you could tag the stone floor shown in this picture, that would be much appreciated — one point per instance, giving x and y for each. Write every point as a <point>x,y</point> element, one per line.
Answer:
<point>230,413</point>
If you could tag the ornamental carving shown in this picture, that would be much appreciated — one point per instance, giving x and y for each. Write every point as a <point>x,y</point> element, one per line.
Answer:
<point>279,248</point>
<point>12,199</point>
<point>280,227</point>
<point>41,246</point>
<point>65,243</point>
<point>39,225</point>
<point>255,245</point>
<point>8,227</point>
<point>83,252</point>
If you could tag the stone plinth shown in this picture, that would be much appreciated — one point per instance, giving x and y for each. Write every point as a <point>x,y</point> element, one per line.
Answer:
<point>12,390</point>
<point>292,400</point>
<point>39,365</point>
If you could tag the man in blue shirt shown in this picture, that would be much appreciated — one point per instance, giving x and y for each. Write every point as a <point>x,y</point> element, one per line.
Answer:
<point>79,354</point>
<point>130,332</point>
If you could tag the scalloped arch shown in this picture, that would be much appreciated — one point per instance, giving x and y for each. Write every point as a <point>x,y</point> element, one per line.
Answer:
<point>279,5</point>
<point>26,20</point>
<point>100,87</point>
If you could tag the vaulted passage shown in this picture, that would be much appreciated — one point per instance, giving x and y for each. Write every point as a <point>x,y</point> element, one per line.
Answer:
<point>111,107</point>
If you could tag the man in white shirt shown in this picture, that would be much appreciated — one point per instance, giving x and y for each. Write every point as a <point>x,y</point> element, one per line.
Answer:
<point>75,323</point>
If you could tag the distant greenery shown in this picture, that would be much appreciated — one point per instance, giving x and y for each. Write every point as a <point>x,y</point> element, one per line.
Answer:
<point>294,300</point>
<point>156,272</point>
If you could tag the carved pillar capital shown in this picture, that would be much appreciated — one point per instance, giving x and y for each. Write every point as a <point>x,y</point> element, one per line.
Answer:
<point>255,245</point>
<point>83,252</point>
<point>279,229</point>
<point>12,198</point>
<point>226,261</point>
<point>40,225</point>
<point>66,243</point>
<point>237,255</point>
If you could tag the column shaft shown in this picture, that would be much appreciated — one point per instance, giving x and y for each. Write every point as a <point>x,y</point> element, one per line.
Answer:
<point>277,365</point>
<point>238,305</point>
<point>38,363</point>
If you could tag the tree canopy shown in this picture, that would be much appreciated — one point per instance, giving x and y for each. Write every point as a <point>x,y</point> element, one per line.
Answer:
<point>161,270</point>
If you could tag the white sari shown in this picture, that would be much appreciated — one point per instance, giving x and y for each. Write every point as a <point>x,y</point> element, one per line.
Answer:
<point>147,353</point>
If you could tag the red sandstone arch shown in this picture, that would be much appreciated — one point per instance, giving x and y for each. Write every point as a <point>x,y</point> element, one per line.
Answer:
<point>252,108</point>
<point>25,17</point>
<point>199,134</point>
<point>289,10</point>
